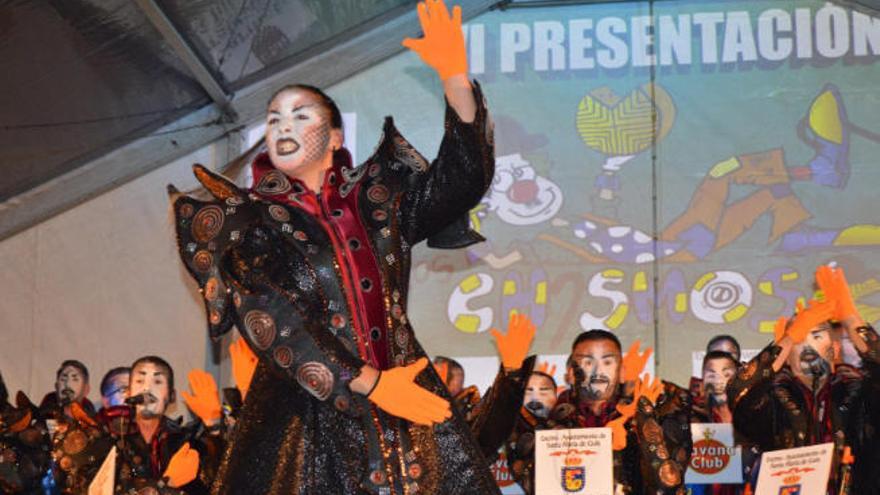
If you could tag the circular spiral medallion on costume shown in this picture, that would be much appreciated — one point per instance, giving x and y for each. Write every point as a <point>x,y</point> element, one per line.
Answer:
<point>236,299</point>
<point>203,260</point>
<point>316,379</point>
<point>207,223</point>
<point>8,456</point>
<point>74,442</point>
<point>341,403</point>
<point>414,471</point>
<point>662,452</point>
<point>274,182</point>
<point>374,169</point>
<point>279,213</point>
<point>214,317</point>
<point>337,320</point>
<point>669,474</point>
<point>300,235</point>
<point>212,288</point>
<point>234,201</point>
<point>66,463</point>
<point>261,328</point>
<point>377,477</point>
<point>652,431</point>
<point>380,215</point>
<point>377,193</point>
<point>401,337</point>
<point>396,311</point>
<point>186,210</point>
<point>283,355</point>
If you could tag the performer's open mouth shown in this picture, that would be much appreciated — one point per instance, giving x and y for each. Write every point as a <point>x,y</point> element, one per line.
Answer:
<point>809,355</point>
<point>286,146</point>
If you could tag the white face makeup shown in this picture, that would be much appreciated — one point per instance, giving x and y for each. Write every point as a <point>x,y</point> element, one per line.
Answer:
<point>600,360</point>
<point>151,381</point>
<point>540,396</point>
<point>717,373</point>
<point>71,384</point>
<point>299,134</point>
<point>812,358</point>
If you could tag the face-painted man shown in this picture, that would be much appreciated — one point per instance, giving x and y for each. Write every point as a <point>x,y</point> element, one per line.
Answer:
<point>718,369</point>
<point>72,382</point>
<point>540,396</point>
<point>153,379</point>
<point>811,359</point>
<point>599,356</point>
<point>114,387</point>
<point>301,133</point>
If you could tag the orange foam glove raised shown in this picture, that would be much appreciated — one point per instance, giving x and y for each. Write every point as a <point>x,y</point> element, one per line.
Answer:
<point>442,370</point>
<point>442,46</point>
<point>809,318</point>
<point>204,401</point>
<point>514,346</point>
<point>545,367</point>
<point>779,329</point>
<point>244,363</point>
<point>833,283</point>
<point>183,466</point>
<point>397,393</point>
<point>627,411</point>
<point>634,362</point>
<point>651,390</point>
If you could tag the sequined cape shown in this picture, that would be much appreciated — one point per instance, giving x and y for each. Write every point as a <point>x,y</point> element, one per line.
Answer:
<point>774,410</point>
<point>296,273</point>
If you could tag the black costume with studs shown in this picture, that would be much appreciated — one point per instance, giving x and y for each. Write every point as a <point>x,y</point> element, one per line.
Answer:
<point>317,285</point>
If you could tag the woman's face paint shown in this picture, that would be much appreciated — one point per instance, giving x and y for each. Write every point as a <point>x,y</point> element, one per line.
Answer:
<point>298,131</point>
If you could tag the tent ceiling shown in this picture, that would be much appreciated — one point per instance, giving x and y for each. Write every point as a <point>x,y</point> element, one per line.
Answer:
<point>96,93</point>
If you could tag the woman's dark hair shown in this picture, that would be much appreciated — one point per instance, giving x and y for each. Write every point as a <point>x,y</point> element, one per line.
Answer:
<point>725,338</point>
<point>335,114</point>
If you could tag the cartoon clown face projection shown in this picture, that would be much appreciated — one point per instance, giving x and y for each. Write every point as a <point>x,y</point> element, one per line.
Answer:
<point>519,196</point>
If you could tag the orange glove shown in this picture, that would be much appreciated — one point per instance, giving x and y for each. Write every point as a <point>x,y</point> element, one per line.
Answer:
<point>633,362</point>
<point>653,390</point>
<point>183,467</point>
<point>618,425</point>
<point>204,401</point>
<point>833,283</point>
<point>514,346</point>
<point>545,367</point>
<point>618,432</point>
<point>779,329</point>
<point>808,318</point>
<point>244,363</point>
<point>397,394</point>
<point>442,46</point>
<point>442,369</point>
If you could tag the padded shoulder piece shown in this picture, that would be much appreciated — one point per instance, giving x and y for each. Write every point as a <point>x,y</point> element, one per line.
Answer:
<point>206,230</point>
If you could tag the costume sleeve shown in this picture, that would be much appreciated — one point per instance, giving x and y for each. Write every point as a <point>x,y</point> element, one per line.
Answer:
<point>283,335</point>
<point>499,408</point>
<point>437,200</point>
<point>750,398</point>
<point>664,471</point>
<point>206,231</point>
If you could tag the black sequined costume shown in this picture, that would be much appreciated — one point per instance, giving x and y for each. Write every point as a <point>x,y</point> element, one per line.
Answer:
<point>317,285</point>
<point>24,446</point>
<point>775,410</point>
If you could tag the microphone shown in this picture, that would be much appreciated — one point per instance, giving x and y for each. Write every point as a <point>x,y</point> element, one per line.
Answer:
<point>136,400</point>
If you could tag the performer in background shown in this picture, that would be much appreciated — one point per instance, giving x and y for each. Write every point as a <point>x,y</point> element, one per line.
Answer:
<point>792,395</point>
<point>312,266</point>
<point>650,421</point>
